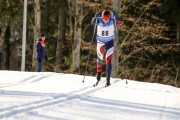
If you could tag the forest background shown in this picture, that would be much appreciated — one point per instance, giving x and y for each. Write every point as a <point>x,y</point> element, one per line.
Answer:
<point>147,46</point>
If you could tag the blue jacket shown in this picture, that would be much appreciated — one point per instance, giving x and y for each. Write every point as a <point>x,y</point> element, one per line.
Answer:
<point>105,31</point>
<point>40,49</point>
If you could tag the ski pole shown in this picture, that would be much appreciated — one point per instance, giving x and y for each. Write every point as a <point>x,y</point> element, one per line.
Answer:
<point>90,49</point>
<point>116,29</point>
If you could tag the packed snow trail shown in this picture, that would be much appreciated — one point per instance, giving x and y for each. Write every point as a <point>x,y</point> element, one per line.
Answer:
<point>57,96</point>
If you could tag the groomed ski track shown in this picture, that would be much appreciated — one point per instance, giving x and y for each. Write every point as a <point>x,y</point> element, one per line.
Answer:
<point>57,96</point>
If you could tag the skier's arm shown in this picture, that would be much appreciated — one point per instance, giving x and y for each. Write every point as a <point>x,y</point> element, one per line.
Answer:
<point>93,21</point>
<point>95,18</point>
<point>118,19</point>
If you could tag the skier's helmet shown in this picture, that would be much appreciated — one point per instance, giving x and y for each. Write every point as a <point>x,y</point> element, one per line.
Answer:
<point>106,14</point>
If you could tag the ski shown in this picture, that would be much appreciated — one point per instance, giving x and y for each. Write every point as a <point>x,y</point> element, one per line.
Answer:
<point>96,84</point>
<point>106,85</point>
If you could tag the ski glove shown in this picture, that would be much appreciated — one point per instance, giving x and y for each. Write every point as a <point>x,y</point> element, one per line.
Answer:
<point>97,15</point>
<point>118,19</point>
<point>114,13</point>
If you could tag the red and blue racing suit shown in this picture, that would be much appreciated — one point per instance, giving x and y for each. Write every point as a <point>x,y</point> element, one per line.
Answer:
<point>105,43</point>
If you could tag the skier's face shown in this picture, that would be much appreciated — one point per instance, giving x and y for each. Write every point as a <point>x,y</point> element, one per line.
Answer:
<point>106,18</point>
<point>43,38</point>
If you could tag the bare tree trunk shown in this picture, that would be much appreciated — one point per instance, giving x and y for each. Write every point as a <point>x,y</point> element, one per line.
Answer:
<point>2,44</point>
<point>7,47</point>
<point>178,32</point>
<point>77,36</point>
<point>37,28</point>
<point>71,6</point>
<point>15,49</point>
<point>115,59</point>
<point>60,41</point>
<point>75,8</point>
<point>71,21</point>
<point>76,49</point>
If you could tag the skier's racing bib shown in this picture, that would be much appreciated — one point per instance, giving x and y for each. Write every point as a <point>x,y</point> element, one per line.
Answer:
<point>105,32</point>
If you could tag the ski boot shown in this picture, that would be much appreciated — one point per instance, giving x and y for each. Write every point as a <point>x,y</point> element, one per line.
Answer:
<point>107,81</point>
<point>98,77</point>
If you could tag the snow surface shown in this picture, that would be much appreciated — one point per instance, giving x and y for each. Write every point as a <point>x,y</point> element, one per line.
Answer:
<point>57,96</point>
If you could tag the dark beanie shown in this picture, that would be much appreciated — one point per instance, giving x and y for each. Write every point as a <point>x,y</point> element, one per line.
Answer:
<point>42,35</point>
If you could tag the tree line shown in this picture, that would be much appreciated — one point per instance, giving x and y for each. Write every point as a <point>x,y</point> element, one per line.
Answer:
<point>146,46</point>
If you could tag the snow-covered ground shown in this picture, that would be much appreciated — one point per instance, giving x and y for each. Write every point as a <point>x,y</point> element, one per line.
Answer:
<point>57,96</point>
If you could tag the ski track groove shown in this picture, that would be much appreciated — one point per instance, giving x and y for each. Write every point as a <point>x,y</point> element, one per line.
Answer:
<point>80,94</point>
<point>164,107</point>
<point>30,79</point>
<point>50,100</point>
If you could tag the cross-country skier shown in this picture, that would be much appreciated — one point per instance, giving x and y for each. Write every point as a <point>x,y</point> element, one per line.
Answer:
<point>105,40</point>
<point>41,52</point>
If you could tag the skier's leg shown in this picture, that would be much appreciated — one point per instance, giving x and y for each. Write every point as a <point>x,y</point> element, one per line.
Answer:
<point>100,54</point>
<point>108,72</point>
<point>110,49</point>
<point>39,66</point>
<point>99,68</point>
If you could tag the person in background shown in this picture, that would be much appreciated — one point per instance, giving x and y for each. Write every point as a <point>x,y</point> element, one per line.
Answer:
<point>1,60</point>
<point>105,40</point>
<point>41,52</point>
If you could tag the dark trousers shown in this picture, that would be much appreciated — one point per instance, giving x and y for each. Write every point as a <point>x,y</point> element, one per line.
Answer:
<point>39,66</point>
